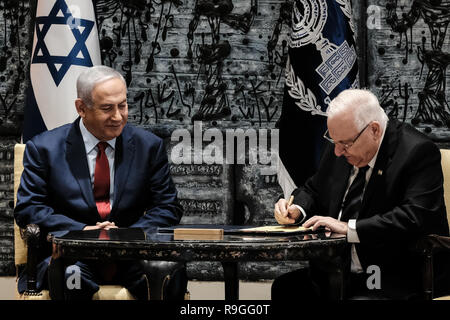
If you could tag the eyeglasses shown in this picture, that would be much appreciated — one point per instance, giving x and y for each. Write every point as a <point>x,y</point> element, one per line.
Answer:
<point>344,145</point>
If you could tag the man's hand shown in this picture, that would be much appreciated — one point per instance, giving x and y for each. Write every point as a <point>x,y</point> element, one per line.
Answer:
<point>284,214</point>
<point>329,223</point>
<point>102,225</point>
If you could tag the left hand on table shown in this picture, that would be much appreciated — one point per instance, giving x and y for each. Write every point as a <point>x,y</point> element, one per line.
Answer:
<point>329,223</point>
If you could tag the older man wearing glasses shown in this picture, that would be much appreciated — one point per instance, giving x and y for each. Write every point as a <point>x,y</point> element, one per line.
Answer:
<point>380,183</point>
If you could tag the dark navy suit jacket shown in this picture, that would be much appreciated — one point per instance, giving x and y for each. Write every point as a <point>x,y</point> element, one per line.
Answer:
<point>55,191</point>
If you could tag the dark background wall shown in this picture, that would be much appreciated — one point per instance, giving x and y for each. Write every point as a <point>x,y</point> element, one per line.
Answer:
<point>229,73</point>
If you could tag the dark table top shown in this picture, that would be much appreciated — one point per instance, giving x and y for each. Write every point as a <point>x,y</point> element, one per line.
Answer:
<point>126,243</point>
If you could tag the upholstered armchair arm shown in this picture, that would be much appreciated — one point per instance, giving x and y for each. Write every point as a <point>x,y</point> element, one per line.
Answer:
<point>31,235</point>
<point>427,247</point>
<point>433,243</point>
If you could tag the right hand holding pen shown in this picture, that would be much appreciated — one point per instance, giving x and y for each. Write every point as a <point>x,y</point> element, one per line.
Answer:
<point>285,213</point>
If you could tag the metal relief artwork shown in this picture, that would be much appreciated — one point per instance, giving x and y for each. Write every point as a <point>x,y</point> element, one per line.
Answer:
<point>210,56</point>
<point>184,61</point>
<point>130,35</point>
<point>131,21</point>
<point>420,96</point>
<point>182,56</point>
<point>14,58</point>
<point>278,54</point>
<point>225,63</point>
<point>6,212</point>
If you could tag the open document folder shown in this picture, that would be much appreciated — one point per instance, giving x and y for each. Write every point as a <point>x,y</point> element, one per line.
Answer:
<point>277,229</point>
<point>241,230</point>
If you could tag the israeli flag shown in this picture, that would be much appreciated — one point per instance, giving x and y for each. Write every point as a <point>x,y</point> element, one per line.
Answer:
<point>65,44</point>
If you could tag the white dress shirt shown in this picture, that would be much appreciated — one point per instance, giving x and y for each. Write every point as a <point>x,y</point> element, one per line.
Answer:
<point>352,235</point>
<point>90,143</point>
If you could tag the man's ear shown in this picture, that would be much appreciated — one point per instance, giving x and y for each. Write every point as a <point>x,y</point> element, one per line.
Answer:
<point>81,107</point>
<point>376,129</point>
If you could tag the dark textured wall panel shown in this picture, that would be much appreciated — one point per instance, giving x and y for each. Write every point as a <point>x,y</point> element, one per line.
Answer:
<point>6,207</point>
<point>183,67</point>
<point>408,53</point>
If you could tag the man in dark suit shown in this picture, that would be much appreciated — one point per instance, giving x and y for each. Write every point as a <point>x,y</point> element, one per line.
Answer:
<point>97,173</point>
<point>398,173</point>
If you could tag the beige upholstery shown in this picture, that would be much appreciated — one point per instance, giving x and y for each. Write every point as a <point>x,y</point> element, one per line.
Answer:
<point>20,247</point>
<point>445,161</point>
<point>112,293</point>
<point>106,292</point>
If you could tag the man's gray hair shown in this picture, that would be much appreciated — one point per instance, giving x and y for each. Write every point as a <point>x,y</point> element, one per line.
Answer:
<point>88,79</point>
<point>362,103</point>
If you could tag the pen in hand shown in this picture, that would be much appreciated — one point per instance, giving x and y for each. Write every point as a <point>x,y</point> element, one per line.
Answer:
<point>291,200</point>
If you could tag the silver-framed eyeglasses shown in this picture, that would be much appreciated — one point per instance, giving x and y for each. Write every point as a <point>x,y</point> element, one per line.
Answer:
<point>344,145</point>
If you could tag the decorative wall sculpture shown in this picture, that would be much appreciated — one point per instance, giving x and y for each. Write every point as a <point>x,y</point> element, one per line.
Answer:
<point>223,62</point>
<point>416,43</point>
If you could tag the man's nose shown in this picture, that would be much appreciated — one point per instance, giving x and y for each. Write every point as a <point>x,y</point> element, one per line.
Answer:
<point>117,116</point>
<point>339,149</point>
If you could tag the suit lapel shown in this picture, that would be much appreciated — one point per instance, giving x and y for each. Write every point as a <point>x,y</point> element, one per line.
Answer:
<point>76,158</point>
<point>124,155</point>
<point>384,159</point>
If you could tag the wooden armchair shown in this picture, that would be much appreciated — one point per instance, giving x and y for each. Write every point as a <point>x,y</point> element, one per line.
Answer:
<point>433,244</point>
<point>165,275</point>
<point>26,241</point>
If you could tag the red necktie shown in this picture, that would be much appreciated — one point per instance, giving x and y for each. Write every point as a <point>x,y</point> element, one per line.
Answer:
<point>101,182</point>
<point>104,235</point>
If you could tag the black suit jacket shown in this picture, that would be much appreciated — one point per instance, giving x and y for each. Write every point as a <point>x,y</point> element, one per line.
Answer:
<point>403,201</point>
<point>56,190</point>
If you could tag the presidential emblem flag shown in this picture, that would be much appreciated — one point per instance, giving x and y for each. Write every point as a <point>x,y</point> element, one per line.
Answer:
<point>65,44</point>
<point>321,63</point>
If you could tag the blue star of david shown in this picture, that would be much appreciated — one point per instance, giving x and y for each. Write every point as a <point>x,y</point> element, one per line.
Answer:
<point>80,45</point>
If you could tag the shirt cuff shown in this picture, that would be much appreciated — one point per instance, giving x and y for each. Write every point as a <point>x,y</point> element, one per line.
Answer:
<point>301,217</point>
<point>352,235</point>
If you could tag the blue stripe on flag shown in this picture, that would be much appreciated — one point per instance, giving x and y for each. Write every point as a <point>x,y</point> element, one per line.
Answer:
<point>33,123</point>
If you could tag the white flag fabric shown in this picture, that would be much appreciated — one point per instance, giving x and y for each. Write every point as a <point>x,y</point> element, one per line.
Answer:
<point>65,44</point>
